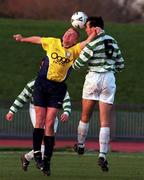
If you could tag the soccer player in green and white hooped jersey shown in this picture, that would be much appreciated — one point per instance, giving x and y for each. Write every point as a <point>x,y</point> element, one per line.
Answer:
<point>99,59</point>
<point>104,59</point>
<point>26,96</point>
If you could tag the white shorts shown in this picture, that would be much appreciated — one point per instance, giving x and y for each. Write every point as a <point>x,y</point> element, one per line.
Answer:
<point>99,87</point>
<point>33,117</point>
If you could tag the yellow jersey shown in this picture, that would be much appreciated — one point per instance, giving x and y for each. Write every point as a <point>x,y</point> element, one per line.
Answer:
<point>60,59</point>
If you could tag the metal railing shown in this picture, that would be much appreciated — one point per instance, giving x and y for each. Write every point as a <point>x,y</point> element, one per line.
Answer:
<point>125,125</point>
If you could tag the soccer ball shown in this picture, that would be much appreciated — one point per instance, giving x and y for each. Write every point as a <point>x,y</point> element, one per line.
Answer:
<point>78,20</point>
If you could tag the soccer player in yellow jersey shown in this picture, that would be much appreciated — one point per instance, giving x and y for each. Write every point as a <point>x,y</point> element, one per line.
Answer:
<point>50,87</point>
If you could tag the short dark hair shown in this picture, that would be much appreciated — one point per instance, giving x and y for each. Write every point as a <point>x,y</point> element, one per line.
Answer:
<point>96,21</point>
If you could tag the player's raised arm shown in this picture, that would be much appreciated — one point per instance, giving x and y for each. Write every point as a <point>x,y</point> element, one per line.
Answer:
<point>32,39</point>
<point>94,32</point>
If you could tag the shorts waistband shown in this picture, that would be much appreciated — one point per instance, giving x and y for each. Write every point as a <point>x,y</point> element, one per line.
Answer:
<point>101,72</point>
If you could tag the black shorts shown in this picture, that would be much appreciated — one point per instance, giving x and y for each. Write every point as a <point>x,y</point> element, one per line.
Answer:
<point>49,93</point>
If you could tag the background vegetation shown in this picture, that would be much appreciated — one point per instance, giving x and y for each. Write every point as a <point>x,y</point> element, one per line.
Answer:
<point>111,10</point>
<point>19,62</point>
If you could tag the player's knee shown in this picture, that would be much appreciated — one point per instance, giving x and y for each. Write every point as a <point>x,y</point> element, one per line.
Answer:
<point>39,124</point>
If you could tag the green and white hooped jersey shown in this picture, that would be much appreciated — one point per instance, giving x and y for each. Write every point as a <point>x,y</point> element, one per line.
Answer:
<point>102,55</point>
<point>26,95</point>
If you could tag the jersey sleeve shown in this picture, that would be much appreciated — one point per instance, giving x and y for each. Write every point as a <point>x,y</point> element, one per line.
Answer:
<point>45,43</point>
<point>67,103</point>
<point>119,62</point>
<point>23,97</point>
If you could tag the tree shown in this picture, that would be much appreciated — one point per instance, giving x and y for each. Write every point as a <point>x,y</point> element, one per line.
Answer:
<point>132,10</point>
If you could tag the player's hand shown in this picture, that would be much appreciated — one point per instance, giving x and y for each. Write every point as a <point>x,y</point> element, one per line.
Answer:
<point>64,117</point>
<point>9,116</point>
<point>96,30</point>
<point>17,37</point>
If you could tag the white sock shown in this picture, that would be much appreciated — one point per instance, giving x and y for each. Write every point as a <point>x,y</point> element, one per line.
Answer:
<point>104,137</point>
<point>82,132</point>
<point>29,156</point>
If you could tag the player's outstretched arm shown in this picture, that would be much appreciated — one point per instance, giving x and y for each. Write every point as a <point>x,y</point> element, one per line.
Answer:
<point>21,99</point>
<point>32,39</point>
<point>66,107</point>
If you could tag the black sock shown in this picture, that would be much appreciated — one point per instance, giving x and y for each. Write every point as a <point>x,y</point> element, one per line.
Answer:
<point>49,142</point>
<point>38,134</point>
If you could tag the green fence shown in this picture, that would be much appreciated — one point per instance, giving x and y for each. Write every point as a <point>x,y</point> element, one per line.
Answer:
<point>125,125</point>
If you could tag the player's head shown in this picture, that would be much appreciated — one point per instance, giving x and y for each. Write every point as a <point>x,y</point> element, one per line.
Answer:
<point>94,24</point>
<point>70,37</point>
<point>95,21</point>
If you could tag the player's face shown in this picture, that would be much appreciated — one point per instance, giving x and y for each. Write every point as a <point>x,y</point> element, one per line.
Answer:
<point>70,38</point>
<point>88,28</point>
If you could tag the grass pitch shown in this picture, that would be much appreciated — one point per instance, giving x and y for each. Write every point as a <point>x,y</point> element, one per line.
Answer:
<point>69,166</point>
